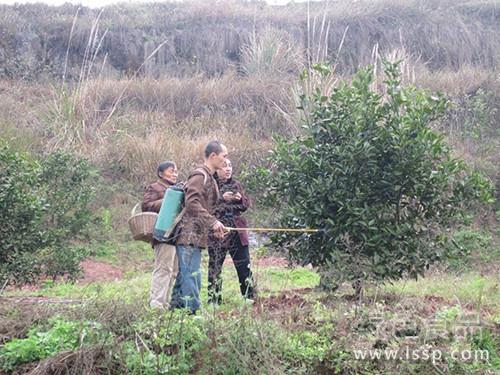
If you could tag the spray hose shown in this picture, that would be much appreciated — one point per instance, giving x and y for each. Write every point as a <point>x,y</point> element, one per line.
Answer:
<point>303,230</point>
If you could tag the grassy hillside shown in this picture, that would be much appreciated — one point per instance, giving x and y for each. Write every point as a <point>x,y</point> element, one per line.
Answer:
<point>210,37</point>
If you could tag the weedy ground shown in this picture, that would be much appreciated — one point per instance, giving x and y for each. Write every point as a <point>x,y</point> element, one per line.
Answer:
<point>292,327</point>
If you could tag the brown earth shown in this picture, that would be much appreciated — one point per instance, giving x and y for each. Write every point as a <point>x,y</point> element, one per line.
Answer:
<point>99,271</point>
<point>92,271</point>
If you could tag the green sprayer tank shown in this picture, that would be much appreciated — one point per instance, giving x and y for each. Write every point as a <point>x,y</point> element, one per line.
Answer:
<point>170,208</point>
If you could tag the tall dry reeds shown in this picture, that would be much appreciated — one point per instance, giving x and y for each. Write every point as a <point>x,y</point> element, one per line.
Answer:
<point>270,52</point>
<point>154,120</point>
<point>139,156</point>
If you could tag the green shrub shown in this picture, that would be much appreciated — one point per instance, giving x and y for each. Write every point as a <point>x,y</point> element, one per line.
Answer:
<point>372,175</point>
<point>44,208</point>
<point>21,213</point>
<point>63,260</point>
<point>246,345</point>
<point>67,185</point>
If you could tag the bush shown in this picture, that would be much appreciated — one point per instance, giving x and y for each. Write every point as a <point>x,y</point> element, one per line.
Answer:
<point>66,183</point>
<point>22,210</point>
<point>373,176</point>
<point>63,260</point>
<point>43,208</point>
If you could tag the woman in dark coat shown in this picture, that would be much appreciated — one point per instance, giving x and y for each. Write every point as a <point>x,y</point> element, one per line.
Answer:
<point>229,211</point>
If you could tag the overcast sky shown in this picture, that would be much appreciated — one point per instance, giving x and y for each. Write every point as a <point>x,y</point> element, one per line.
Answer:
<point>99,3</point>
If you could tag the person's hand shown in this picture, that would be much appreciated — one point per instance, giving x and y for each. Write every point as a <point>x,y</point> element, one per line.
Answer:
<point>228,196</point>
<point>219,229</point>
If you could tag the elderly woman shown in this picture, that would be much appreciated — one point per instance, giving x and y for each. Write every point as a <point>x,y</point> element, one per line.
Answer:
<point>229,211</point>
<point>166,265</point>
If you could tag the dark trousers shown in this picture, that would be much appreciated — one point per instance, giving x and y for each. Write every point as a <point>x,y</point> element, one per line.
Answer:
<point>241,261</point>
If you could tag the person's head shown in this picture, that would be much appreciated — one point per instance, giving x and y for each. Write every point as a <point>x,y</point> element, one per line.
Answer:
<point>215,155</point>
<point>226,171</point>
<point>168,171</point>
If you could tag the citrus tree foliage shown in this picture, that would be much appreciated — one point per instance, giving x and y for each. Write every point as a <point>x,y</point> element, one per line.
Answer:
<point>372,175</point>
<point>43,209</point>
<point>67,188</point>
<point>21,214</point>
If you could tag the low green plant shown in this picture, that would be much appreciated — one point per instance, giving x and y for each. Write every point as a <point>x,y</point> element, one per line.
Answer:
<point>449,314</point>
<point>144,361</point>
<point>467,245</point>
<point>450,318</point>
<point>40,343</point>
<point>487,340</point>
<point>306,348</point>
<point>168,343</point>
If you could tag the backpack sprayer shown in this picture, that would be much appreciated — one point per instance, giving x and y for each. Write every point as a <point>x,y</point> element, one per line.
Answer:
<point>169,210</point>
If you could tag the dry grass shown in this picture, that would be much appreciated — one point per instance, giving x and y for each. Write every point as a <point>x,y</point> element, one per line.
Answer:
<point>184,98</point>
<point>154,120</point>
<point>271,52</point>
<point>140,154</point>
<point>457,83</point>
<point>83,361</point>
<point>172,118</point>
<point>19,315</point>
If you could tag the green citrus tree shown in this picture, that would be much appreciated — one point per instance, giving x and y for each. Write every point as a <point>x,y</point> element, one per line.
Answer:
<point>44,208</point>
<point>21,215</point>
<point>369,172</point>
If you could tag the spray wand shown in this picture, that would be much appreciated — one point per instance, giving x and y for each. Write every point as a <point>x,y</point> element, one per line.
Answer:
<point>302,230</point>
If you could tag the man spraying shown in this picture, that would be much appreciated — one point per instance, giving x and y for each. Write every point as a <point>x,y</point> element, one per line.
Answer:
<point>190,234</point>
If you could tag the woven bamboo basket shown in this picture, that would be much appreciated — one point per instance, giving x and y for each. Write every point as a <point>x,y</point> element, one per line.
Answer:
<point>142,224</point>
